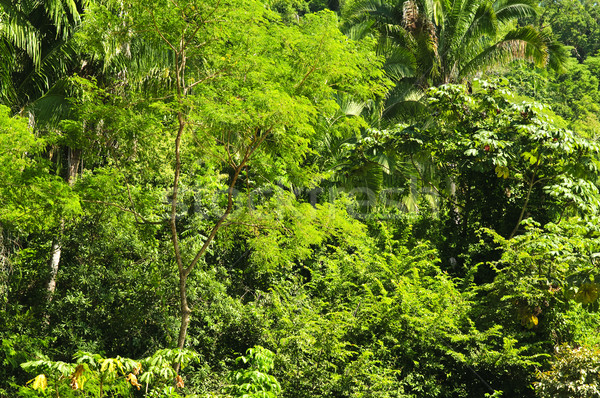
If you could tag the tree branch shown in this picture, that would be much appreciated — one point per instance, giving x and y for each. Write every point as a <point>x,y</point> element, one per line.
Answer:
<point>256,142</point>
<point>530,188</point>
<point>160,32</point>
<point>125,209</point>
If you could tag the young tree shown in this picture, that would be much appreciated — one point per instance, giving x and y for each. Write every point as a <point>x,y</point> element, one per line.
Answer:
<point>240,104</point>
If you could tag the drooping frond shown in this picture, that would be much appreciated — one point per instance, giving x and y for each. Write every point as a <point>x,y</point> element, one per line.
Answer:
<point>7,91</point>
<point>376,10</point>
<point>485,22</point>
<point>427,58</point>
<point>55,63</point>
<point>447,31</point>
<point>509,10</point>
<point>531,40</point>
<point>16,28</point>
<point>557,55</point>
<point>52,107</point>
<point>142,64</point>
<point>463,16</point>
<point>399,61</point>
<point>481,32</point>
<point>359,30</point>
<point>524,43</point>
<point>63,14</point>
<point>397,33</point>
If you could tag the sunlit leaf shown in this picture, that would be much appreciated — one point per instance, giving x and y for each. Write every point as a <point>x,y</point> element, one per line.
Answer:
<point>39,383</point>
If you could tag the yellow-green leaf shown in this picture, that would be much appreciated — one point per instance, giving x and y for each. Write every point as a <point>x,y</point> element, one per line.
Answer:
<point>502,171</point>
<point>587,293</point>
<point>39,383</point>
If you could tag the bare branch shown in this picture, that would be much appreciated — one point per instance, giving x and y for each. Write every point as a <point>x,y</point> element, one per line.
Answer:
<point>205,78</point>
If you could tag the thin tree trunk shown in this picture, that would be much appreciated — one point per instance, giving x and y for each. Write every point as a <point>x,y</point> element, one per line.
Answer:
<point>55,254</point>
<point>184,272</point>
<point>185,312</point>
<point>4,268</point>
<point>73,159</point>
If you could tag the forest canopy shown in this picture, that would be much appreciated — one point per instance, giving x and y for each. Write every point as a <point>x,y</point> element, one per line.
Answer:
<point>299,198</point>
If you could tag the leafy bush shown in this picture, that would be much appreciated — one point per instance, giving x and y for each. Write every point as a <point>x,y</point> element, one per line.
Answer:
<point>575,373</point>
<point>99,376</point>
<point>254,381</point>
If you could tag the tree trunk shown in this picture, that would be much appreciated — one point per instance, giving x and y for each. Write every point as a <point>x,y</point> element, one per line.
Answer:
<point>185,311</point>
<point>4,268</point>
<point>73,158</point>
<point>54,262</point>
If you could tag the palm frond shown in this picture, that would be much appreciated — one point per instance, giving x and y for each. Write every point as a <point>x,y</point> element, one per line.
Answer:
<point>359,30</point>
<point>348,106</point>
<point>365,182</point>
<point>63,14</point>
<point>485,22</point>
<point>558,56</point>
<point>7,61</point>
<point>535,44</point>
<point>399,61</point>
<point>452,19</point>
<point>54,65</point>
<point>427,57</point>
<point>467,13</point>
<point>401,36</point>
<point>377,10</point>
<point>483,28</point>
<point>53,106</point>
<point>16,28</point>
<point>404,102</point>
<point>524,43</point>
<point>434,9</point>
<point>144,65</point>
<point>509,10</point>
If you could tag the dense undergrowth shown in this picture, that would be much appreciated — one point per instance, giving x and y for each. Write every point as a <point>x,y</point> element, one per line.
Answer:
<point>299,199</point>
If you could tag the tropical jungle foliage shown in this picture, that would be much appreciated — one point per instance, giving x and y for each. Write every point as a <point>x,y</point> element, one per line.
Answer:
<point>299,198</point>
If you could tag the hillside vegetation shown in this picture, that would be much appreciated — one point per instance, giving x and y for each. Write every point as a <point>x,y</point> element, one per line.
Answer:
<point>299,198</point>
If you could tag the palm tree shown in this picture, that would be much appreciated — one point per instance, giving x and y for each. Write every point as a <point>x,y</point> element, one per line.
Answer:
<point>35,47</point>
<point>433,42</point>
<point>449,41</point>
